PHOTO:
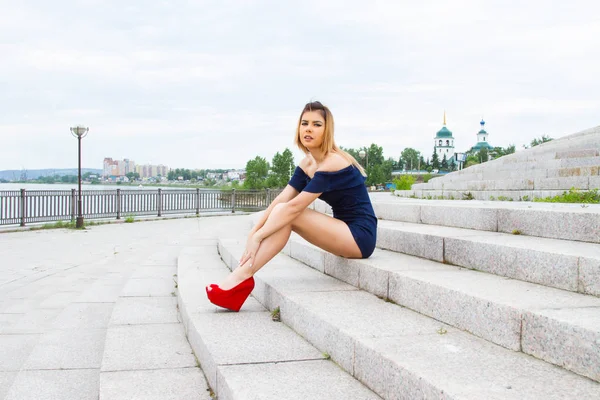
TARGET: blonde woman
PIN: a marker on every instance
(327, 172)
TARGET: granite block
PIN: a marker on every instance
(318, 380)
(160, 384)
(414, 243)
(570, 225)
(395, 212)
(483, 219)
(569, 338)
(589, 275)
(577, 153)
(15, 350)
(499, 255)
(70, 349)
(493, 321)
(344, 269)
(308, 254)
(561, 183)
(149, 287)
(594, 182)
(145, 310)
(80, 384)
(574, 171)
(131, 347)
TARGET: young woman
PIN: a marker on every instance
(327, 172)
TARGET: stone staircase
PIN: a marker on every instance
(451, 305)
(545, 170)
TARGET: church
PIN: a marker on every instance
(444, 142)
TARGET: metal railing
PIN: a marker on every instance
(19, 207)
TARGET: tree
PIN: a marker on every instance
(400, 164)
(435, 161)
(282, 168)
(541, 140)
(483, 155)
(256, 173)
(444, 164)
(410, 158)
(132, 176)
(472, 159)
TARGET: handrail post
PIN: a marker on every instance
(159, 202)
(118, 203)
(197, 201)
(73, 204)
(232, 201)
(23, 207)
(267, 197)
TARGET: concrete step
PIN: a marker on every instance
(532, 184)
(247, 355)
(557, 326)
(562, 264)
(146, 353)
(396, 352)
(574, 222)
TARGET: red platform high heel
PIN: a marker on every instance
(232, 299)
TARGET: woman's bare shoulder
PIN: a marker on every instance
(333, 162)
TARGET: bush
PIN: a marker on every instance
(405, 182)
(427, 177)
(573, 196)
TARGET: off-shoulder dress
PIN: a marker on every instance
(346, 193)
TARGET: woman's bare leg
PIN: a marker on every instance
(269, 248)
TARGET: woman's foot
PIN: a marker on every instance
(238, 275)
(231, 299)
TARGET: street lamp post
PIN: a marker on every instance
(79, 132)
(364, 154)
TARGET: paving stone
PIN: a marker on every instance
(318, 380)
(59, 300)
(6, 381)
(72, 349)
(80, 384)
(158, 384)
(149, 287)
(15, 349)
(142, 347)
(100, 293)
(83, 316)
(35, 321)
(154, 310)
(161, 272)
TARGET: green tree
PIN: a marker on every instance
(132, 176)
(543, 139)
(410, 158)
(257, 171)
(483, 155)
(435, 161)
(282, 168)
(444, 164)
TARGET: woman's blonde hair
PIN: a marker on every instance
(328, 145)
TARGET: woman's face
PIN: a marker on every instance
(312, 128)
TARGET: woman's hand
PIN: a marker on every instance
(252, 246)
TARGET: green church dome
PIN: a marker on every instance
(482, 131)
(481, 145)
(443, 133)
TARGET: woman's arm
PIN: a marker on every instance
(284, 214)
(286, 195)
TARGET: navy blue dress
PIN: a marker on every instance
(345, 192)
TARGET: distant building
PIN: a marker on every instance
(482, 139)
(444, 143)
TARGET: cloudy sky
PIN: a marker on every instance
(212, 84)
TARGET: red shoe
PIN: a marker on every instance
(232, 299)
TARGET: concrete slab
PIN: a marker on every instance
(6, 381)
(136, 311)
(15, 350)
(149, 287)
(160, 272)
(80, 384)
(72, 349)
(158, 384)
(142, 347)
(318, 380)
(100, 292)
(83, 316)
(34, 321)
(589, 276)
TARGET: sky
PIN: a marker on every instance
(213, 84)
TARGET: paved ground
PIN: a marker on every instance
(92, 314)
